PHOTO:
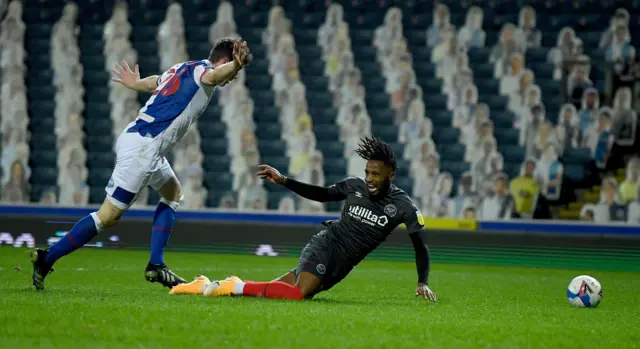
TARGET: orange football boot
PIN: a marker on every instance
(221, 288)
(194, 287)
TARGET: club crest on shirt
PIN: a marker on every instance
(110, 184)
(321, 268)
(390, 210)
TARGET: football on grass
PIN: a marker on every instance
(584, 291)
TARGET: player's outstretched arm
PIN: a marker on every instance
(423, 264)
(224, 73)
(307, 191)
(131, 79)
(415, 227)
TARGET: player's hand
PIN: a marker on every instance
(425, 291)
(240, 54)
(125, 75)
(270, 173)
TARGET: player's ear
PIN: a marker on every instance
(392, 176)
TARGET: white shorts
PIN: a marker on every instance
(139, 163)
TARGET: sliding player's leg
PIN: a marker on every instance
(191, 288)
(288, 278)
(166, 183)
(306, 284)
(196, 286)
(291, 278)
(308, 277)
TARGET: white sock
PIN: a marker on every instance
(96, 221)
(238, 288)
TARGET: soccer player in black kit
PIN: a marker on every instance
(374, 208)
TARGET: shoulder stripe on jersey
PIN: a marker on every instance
(203, 72)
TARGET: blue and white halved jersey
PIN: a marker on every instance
(176, 103)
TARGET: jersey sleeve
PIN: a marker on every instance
(413, 219)
(345, 186)
(198, 73)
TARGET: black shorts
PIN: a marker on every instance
(319, 259)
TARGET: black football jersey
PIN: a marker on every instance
(366, 222)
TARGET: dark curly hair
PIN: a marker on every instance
(376, 149)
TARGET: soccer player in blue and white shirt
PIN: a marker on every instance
(179, 96)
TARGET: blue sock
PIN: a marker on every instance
(162, 225)
(81, 233)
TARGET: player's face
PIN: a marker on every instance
(588, 216)
(378, 176)
(500, 186)
(469, 214)
(16, 172)
(529, 169)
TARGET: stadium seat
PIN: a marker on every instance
(446, 136)
(217, 163)
(327, 132)
(335, 167)
(215, 146)
(577, 156)
(587, 18)
(330, 149)
(101, 160)
(272, 148)
(220, 181)
(45, 176)
(388, 133)
(451, 152)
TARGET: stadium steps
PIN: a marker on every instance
(259, 81)
(445, 136)
(39, 19)
(213, 131)
(590, 196)
(99, 140)
(307, 21)
(376, 100)
(145, 19)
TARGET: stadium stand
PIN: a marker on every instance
(471, 95)
(15, 156)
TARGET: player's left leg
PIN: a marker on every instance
(288, 278)
(310, 279)
(166, 183)
(308, 275)
(196, 286)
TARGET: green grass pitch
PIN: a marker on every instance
(99, 299)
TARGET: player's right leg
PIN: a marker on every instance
(135, 162)
(81, 233)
